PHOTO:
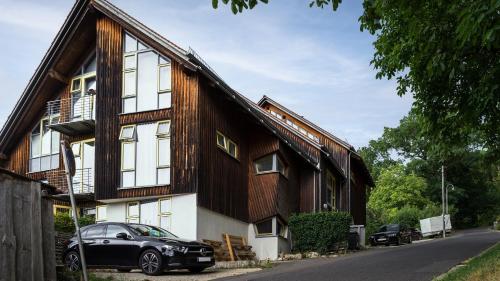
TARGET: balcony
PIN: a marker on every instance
(73, 116)
(83, 181)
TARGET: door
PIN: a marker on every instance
(120, 252)
(92, 240)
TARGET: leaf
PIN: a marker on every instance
(215, 3)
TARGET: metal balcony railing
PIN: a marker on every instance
(83, 181)
(73, 116)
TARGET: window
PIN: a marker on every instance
(44, 147)
(265, 227)
(227, 145)
(330, 189)
(133, 213)
(101, 213)
(84, 80)
(270, 163)
(165, 213)
(146, 78)
(94, 232)
(113, 229)
(280, 228)
(138, 144)
(59, 209)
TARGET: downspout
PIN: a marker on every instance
(349, 182)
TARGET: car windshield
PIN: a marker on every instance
(389, 227)
(150, 231)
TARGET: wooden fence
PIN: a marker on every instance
(26, 230)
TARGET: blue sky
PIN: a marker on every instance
(314, 61)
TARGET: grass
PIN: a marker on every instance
(485, 267)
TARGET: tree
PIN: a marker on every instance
(396, 189)
(445, 53)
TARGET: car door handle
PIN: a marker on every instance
(88, 241)
(106, 241)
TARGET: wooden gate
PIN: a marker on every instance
(26, 230)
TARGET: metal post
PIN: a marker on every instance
(446, 198)
(443, 201)
(73, 207)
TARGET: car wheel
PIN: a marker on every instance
(150, 262)
(72, 261)
(123, 270)
(196, 269)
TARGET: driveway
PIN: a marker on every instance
(419, 261)
(176, 275)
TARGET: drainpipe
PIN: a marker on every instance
(349, 182)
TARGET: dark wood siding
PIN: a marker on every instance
(185, 130)
(108, 106)
(223, 179)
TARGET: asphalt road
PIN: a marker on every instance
(418, 261)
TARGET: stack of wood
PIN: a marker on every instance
(232, 248)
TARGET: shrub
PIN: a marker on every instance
(64, 223)
(319, 232)
(409, 216)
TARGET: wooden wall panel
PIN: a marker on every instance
(223, 184)
(108, 106)
(147, 116)
(288, 201)
(184, 130)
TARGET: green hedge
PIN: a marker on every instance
(318, 232)
(64, 223)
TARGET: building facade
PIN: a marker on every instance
(159, 138)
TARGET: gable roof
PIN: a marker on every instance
(189, 59)
(355, 155)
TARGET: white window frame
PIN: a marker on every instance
(329, 176)
(227, 142)
(159, 137)
(40, 145)
(138, 49)
(134, 217)
(274, 168)
(165, 213)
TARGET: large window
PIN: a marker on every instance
(83, 87)
(146, 78)
(165, 213)
(145, 159)
(270, 227)
(270, 163)
(330, 189)
(227, 145)
(44, 147)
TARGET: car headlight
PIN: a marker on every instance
(170, 249)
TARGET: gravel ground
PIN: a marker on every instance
(177, 275)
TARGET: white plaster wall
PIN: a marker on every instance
(264, 247)
(184, 216)
(212, 225)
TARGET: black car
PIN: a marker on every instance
(126, 246)
(391, 234)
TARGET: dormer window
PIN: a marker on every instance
(226, 144)
(270, 164)
(44, 152)
(146, 77)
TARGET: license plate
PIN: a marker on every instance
(204, 259)
(381, 239)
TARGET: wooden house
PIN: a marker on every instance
(159, 138)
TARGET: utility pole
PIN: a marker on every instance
(443, 200)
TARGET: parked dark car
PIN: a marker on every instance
(391, 234)
(416, 234)
(126, 246)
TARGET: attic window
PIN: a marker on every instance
(146, 76)
(163, 128)
(226, 144)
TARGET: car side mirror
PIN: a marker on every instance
(121, 235)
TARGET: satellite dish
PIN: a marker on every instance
(70, 157)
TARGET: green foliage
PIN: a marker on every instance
(64, 223)
(319, 232)
(445, 53)
(409, 216)
(238, 6)
(396, 189)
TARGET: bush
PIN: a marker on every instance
(319, 232)
(64, 223)
(409, 216)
